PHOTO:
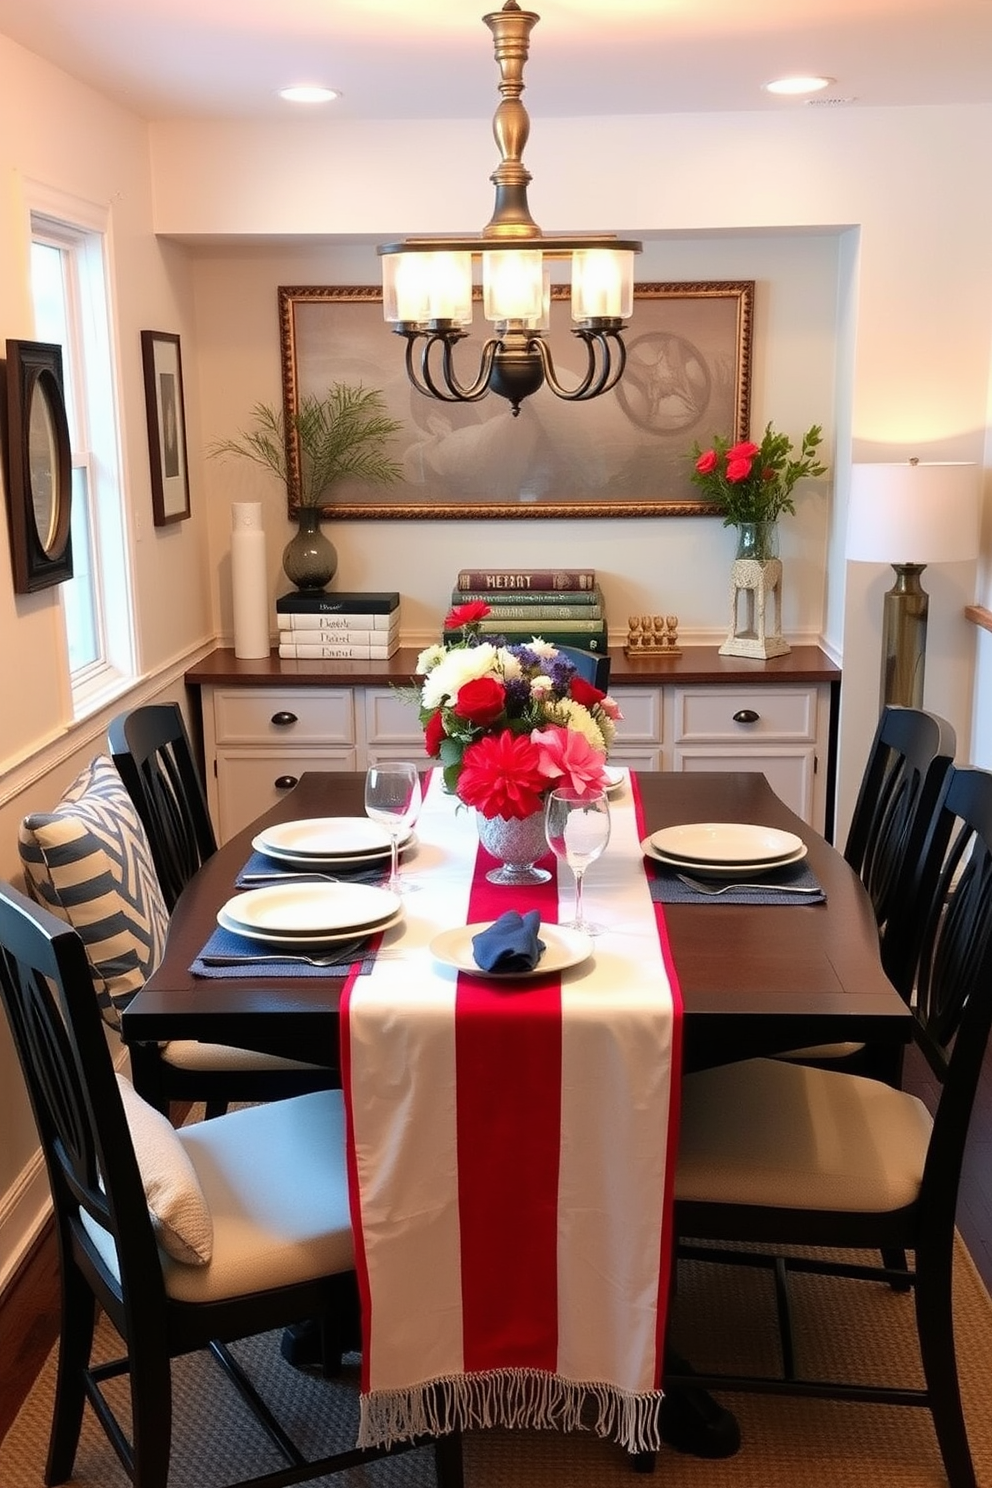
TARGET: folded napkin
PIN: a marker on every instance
(666, 888)
(260, 863)
(510, 945)
(271, 962)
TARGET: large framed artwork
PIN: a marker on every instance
(165, 412)
(624, 454)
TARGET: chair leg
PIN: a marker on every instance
(448, 1461)
(75, 1345)
(151, 1417)
(934, 1321)
(215, 1108)
(895, 1260)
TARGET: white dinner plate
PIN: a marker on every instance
(721, 870)
(307, 942)
(311, 908)
(327, 837)
(562, 948)
(726, 842)
(313, 860)
(614, 779)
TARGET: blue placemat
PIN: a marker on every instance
(281, 872)
(666, 888)
(225, 943)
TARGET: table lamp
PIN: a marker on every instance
(909, 515)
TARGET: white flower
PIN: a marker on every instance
(542, 648)
(509, 664)
(428, 659)
(458, 667)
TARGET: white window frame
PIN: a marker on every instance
(80, 230)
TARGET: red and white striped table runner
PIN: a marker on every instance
(512, 1154)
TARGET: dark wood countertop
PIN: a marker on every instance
(697, 664)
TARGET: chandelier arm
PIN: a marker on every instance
(480, 386)
(602, 372)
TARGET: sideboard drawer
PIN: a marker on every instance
(288, 717)
(250, 781)
(736, 714)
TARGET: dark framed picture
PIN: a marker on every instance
(625, 454)
(38, 466)
(166, 413)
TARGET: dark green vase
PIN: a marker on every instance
(309, 559)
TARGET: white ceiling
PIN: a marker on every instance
(395, 59)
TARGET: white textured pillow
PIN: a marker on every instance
(181, 1219)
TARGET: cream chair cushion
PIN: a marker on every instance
(176, 1202)
(770, 1133)
(274, 1178)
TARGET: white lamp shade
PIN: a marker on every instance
(913, 513)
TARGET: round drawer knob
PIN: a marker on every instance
(746, 715)
(285, 782)
(283, 720)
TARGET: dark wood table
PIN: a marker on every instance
(754, 980)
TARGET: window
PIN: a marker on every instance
(71, 307)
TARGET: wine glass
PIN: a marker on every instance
(577, 828)
(393, 799)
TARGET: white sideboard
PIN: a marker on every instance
(266, 722)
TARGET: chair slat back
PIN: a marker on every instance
(592, 666)
(151, 749)
(909, 759)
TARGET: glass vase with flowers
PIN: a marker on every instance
(751, 484)
(509, 724)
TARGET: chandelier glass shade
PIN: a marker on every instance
(428, 284)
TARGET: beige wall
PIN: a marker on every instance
(872, 254)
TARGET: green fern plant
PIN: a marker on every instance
(345, 433)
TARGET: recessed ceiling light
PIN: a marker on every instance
(796, 85)
(308, 93)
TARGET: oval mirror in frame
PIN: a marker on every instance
(39, 466)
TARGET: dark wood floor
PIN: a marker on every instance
(29, 1308)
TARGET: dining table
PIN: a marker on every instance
(512, 1140)
(754, 980)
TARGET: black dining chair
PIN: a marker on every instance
(907, 764)
(776, 1154)
(591, 666)
(186, 1239)
(151, 748)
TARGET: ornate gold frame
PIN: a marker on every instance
(605, 458)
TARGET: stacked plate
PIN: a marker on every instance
(328, 842)
(724, 849)
(310, 914)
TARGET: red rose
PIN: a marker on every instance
(433, 734)
(581, 691)
(481, 701)
(706, 462)
(466, 614)
(743, 451)
(738, 470)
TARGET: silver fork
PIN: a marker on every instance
(340, 958)
(710, 888)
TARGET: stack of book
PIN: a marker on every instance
(564, 605)
(339, 625)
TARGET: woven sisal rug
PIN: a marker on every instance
(720, 1320)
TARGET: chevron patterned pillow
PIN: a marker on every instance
(89, 862)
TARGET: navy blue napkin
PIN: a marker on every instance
(510, 945)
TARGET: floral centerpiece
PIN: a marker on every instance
(509, 723)
(753, 483)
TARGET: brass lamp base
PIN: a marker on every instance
(904, 638)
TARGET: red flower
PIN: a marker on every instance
(581, 691)
(706, 462)
(480, 701)
(739, 469)
(466, 614)
(433, 734)
(501, 775)
(743, 451)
